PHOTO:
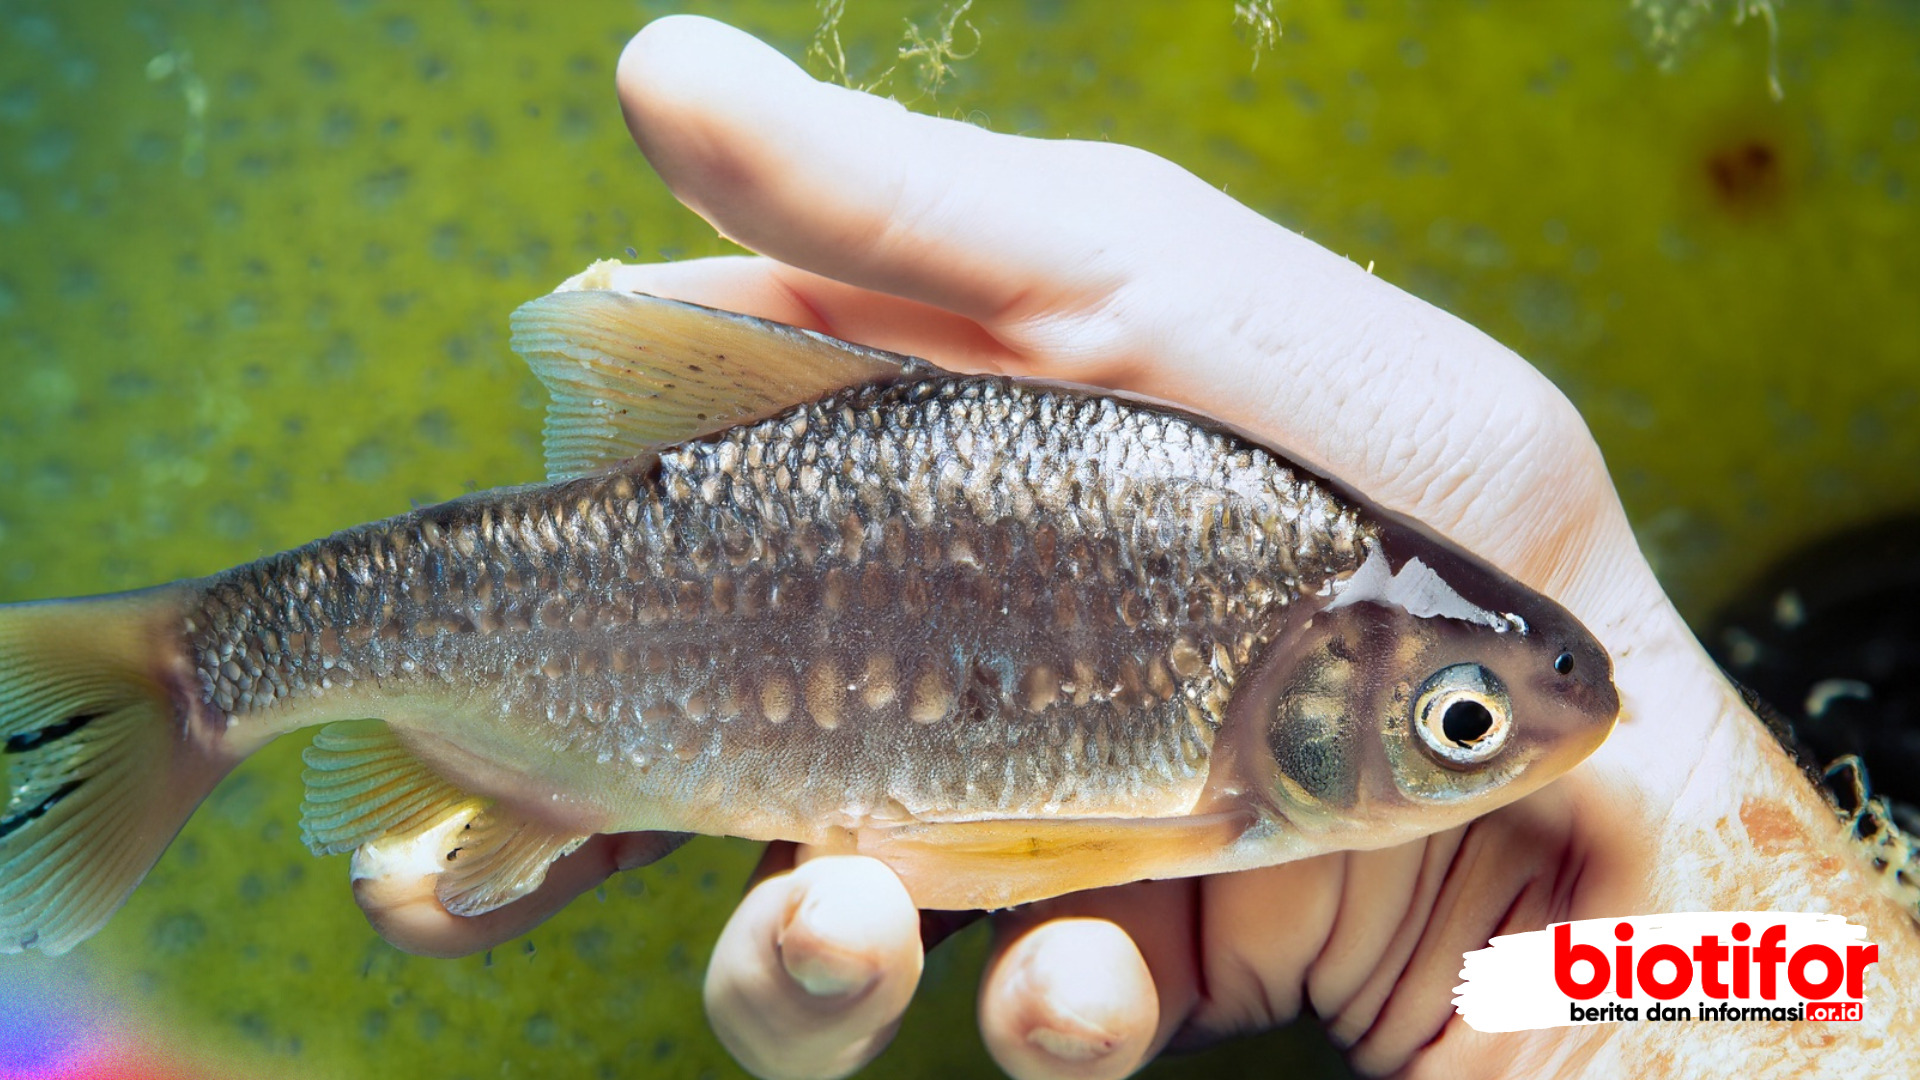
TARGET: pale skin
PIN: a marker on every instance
(1100, 264)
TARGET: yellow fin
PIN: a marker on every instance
(362, 785)
(995, 864)
(498, 858)
(631, 373)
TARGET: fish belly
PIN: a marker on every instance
(933, 606)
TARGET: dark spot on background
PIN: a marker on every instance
(177, 932)
(1747, 175)
(540, 1029)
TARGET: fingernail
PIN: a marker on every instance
(823, 974)
(1082, 995)
(1071, 1038)
(810, 953)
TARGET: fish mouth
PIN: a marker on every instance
(1590, 731)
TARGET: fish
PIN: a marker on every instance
(1013, 638)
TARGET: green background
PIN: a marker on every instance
(256, 260)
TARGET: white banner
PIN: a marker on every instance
(1731, 966)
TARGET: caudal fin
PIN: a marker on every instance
(98, 771)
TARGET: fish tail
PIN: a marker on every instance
(99, 765)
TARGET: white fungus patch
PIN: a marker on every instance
(1417, 589)
(423, 854)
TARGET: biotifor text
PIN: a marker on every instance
(1689, 966)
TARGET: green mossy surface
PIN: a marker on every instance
(258, 291)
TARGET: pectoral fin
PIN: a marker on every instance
(364, 787)
(631, 373)
(996, 864)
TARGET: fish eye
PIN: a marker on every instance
(1463, 715)
(1563, 663)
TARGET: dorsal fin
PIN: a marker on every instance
(631, 373)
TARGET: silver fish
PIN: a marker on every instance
(1014, 639)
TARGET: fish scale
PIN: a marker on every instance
(713, 615)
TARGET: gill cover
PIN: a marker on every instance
(1429, 689)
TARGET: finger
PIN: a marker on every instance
(395, 889)
(718, 137)
(782, 856)
(1070, 998)
(935, 926)
(813, 970)
(1256, 977)
(1384, 897)
(778, 857)
(855, 188)
(1106, 265)
(1512, 870)
(1091, 985)
(773, 290)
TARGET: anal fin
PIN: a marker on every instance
(366, 790)
(496, 859)
(965, 865)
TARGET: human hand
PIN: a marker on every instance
(1100, 264)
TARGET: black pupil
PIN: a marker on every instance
(1563, 663)
(1465, 722)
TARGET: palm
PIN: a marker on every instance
(1103, 265)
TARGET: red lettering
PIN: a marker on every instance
(1709, 952)
(1566, 954)
(1858, 957)
(1682, 971)
(1797, 971)
(1767, 958)
(1703, 966)
(1623, 961)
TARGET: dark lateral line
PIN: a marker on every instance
(34, 740)
(21, 819)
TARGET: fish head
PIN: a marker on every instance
(1426, 690)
